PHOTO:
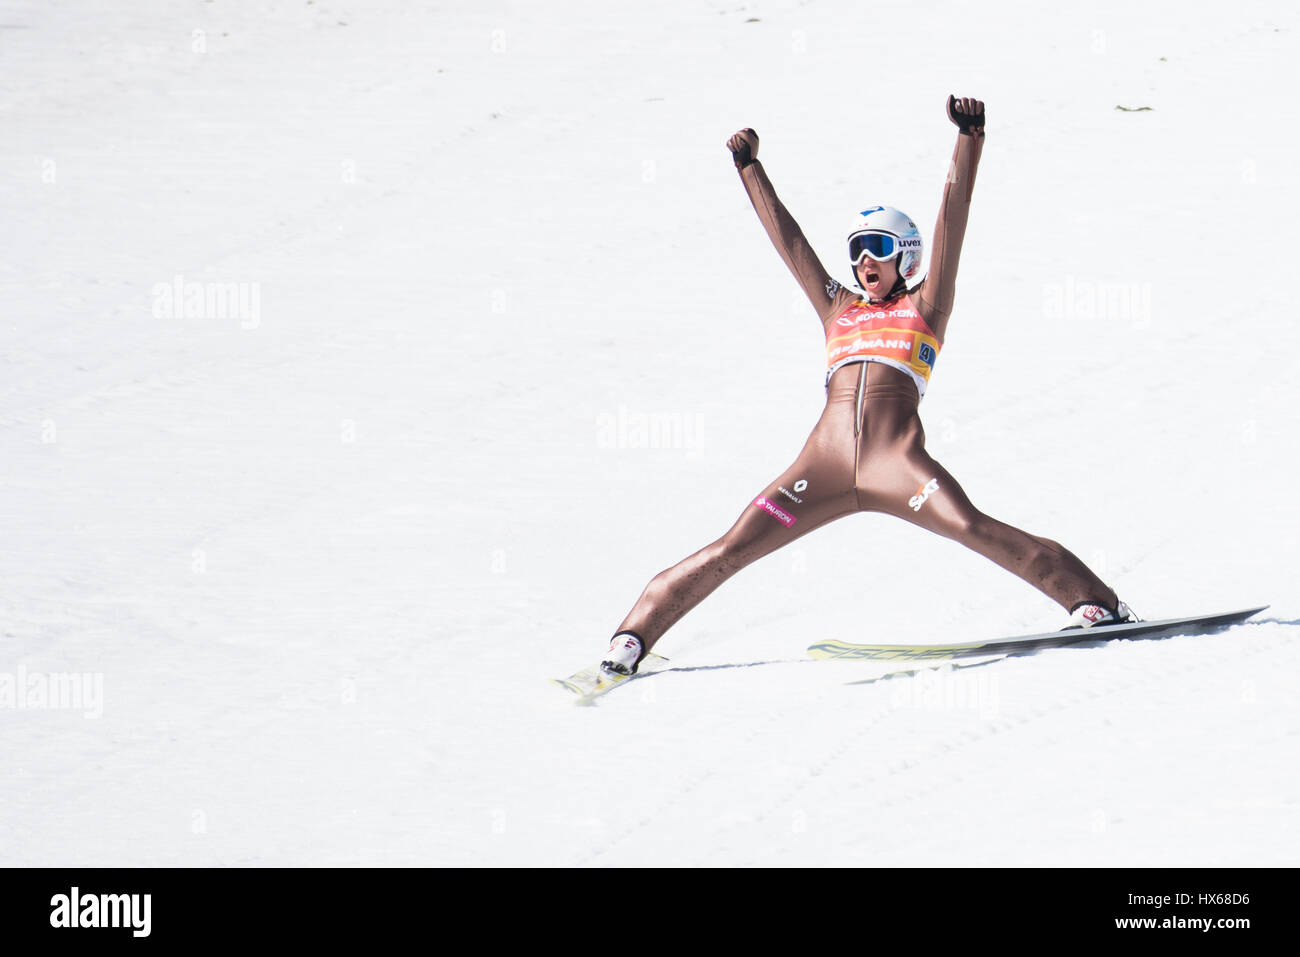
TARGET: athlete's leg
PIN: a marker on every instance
(910, 484)
(816, 489)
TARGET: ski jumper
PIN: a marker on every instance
(867, 452)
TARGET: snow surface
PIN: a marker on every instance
(321, 555)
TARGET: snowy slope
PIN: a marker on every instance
(313, 556)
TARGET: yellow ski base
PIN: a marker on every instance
(592, 682)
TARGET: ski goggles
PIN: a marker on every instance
(881, 247)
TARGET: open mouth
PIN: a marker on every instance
(872, 278)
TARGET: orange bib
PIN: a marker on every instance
(891, 332)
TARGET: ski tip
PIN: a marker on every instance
(1237, 617)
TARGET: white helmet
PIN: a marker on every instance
(882, 232)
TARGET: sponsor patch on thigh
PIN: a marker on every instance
(776, 511)
(923, 493)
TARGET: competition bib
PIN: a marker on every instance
(891, 332)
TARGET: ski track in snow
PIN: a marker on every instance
(323, 564)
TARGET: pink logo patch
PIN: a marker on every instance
(778, 513)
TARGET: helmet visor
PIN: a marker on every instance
(881, 247)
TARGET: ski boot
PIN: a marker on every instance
(625, 653)
(1087, 614)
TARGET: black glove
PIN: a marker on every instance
(968, 114)
(744, 147)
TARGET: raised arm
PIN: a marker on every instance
(781, 228)
(939, 288)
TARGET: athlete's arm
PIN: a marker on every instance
(781, 228)
(938, 290)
